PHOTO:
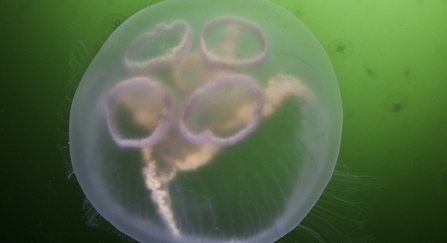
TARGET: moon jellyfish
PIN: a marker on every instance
(206, 121)
(340, 48)
(396, 102)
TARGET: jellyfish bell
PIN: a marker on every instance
(216, 124)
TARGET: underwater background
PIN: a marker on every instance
(390, 58)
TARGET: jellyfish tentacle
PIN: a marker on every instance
(159, 186)
(159, 123)
(282, 86)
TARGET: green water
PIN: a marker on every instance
(390, 58)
